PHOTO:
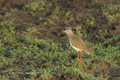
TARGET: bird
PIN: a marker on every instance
(77, 43)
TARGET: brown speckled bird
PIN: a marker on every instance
(77, 43)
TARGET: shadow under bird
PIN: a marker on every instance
(77, 43)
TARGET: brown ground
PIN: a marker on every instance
(81, 11)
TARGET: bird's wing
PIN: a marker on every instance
(78, 42)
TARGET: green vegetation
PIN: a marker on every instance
(95, 1)
(91, 21)
(54, 18)
(24, 56)
(37, 5)
(79, 33)
(111, 11)
(44, 59)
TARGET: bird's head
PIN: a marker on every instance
(67, 30)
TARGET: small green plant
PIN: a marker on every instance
(106, 9)
(7, 31)
(91, 21)
(37, 5)
(49, 22)
(6, 23)
(68, 13)
(110, 40)
(100, 35)
(94, 1)
(54, 17)
(79, 31)
(31, 30)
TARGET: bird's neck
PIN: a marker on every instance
(70, 35)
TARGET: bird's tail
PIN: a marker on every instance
(89, 51)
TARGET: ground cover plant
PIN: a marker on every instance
(32, 46)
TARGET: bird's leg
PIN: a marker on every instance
(77, 57)
(80, 57)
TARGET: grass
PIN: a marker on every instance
(79, 31)
(91, 21)
(111, 11)
(24, 56)
(35, 5)
(33, 58)
(94, 1)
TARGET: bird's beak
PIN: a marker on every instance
(63, 31)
